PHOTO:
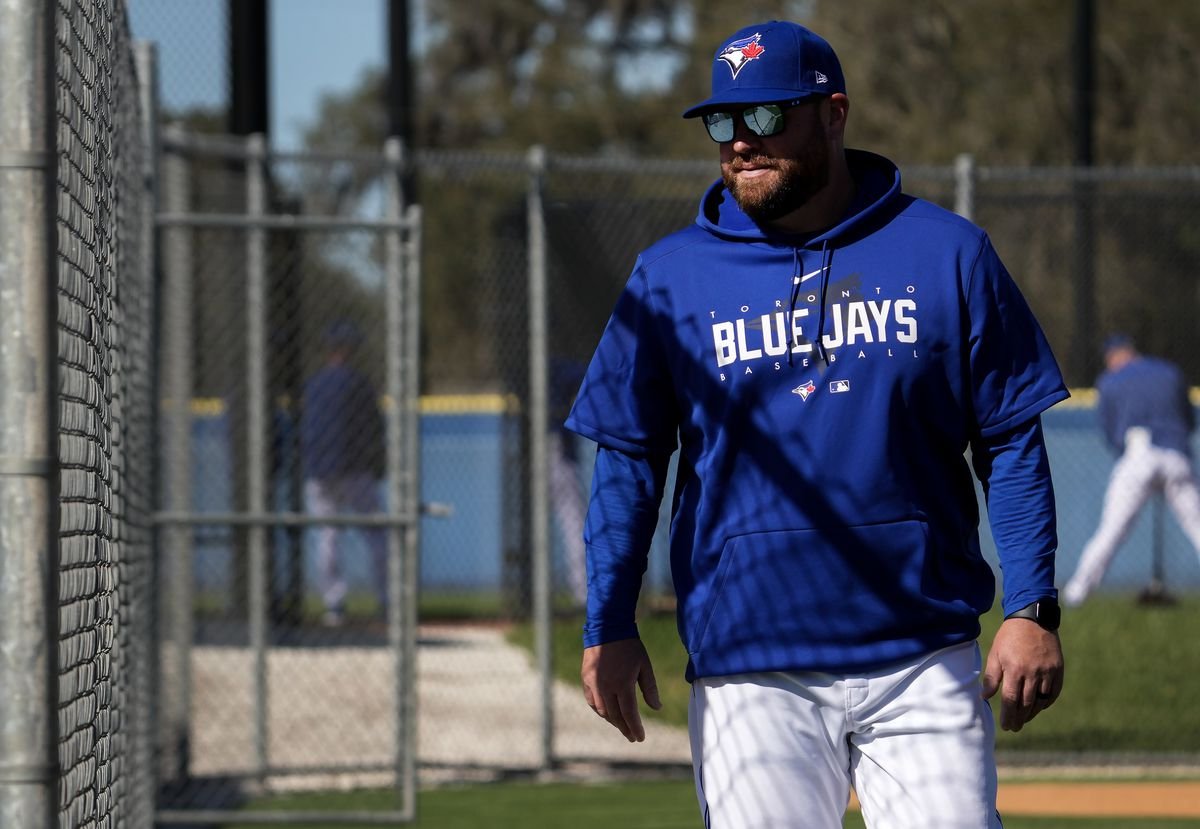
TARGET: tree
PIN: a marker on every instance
(928, 80)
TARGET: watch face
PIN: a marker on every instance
(1049, 615)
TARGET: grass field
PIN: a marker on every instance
(1131, 682)
(655, 805)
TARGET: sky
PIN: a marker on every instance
(316, 47)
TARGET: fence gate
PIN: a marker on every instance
(287, 532)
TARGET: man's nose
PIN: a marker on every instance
(743, 137)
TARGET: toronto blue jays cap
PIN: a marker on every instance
(1116, 340)
(771, 62)
(341, 333)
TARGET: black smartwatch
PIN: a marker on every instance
(1045, 612)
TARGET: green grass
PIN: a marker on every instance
(1131, 679)
(1130, 687)
(648, 805)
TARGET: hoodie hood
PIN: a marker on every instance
(877, 193)
(877, 183)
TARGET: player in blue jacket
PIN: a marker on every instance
(822, 350)
(1147, 421)
(342, 451)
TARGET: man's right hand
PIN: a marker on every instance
(610, 673)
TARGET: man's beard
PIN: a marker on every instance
(794, 182)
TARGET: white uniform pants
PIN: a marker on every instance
(781, 750)
(570, 507)
(348, 494)
(1142, 470)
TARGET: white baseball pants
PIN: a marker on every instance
(570, 509)
(1140, 471)
(781, 750)
(349, 494)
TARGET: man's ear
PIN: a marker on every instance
(837, 112)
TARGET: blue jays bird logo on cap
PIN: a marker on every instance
(740, 52)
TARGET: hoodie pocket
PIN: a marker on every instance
(822, 589)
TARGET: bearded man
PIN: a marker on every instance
(822, 349)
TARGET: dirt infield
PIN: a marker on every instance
(1101, 799)
(1098, 799)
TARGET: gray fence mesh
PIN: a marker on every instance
(288, 518)
(104, 351)
(1072, 239)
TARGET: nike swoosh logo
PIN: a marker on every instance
(807, 276)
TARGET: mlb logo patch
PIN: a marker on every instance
(804, 389)
(839, 386)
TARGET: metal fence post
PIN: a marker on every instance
(28, 418)
(401, 482)
(412, 503)
(539, 492)
(964, 186)
(146, 57)
(176, 384)
(256, 431)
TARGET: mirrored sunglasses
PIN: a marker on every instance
(761, 119)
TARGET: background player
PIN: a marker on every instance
(1147, 421)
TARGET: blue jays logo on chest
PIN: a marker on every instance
(861, 320)
(740, 52)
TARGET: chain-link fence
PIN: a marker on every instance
(76, 419)
(105, 324)
(1083, 244)
(523, 259)
(295, 453)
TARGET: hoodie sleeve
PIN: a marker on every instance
(621, 518)
(1014, 470)
(1013, 374)
(626, 400)
(625, 405)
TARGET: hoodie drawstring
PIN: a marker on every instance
(798, 267)
(826, 264)
(797, 271)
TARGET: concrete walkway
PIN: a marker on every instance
(333, 707)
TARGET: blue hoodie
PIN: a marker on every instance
(822, 393)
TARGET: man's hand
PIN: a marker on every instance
(1026, 665)
(610, 673)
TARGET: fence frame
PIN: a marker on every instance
(401, 229)
(29, 468)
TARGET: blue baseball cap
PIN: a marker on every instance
(769, 63)
(1116, 340)
(343, 333)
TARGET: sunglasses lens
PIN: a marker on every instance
(719, 126)
(765, 119)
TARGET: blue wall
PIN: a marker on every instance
(465, 458)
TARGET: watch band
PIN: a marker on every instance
(1045, 612)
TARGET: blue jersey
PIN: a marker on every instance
(341, 426)
(822, 393)
(1150, 393)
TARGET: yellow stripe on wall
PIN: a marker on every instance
(1087, 398)
(429, 404)
(1083, 398)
